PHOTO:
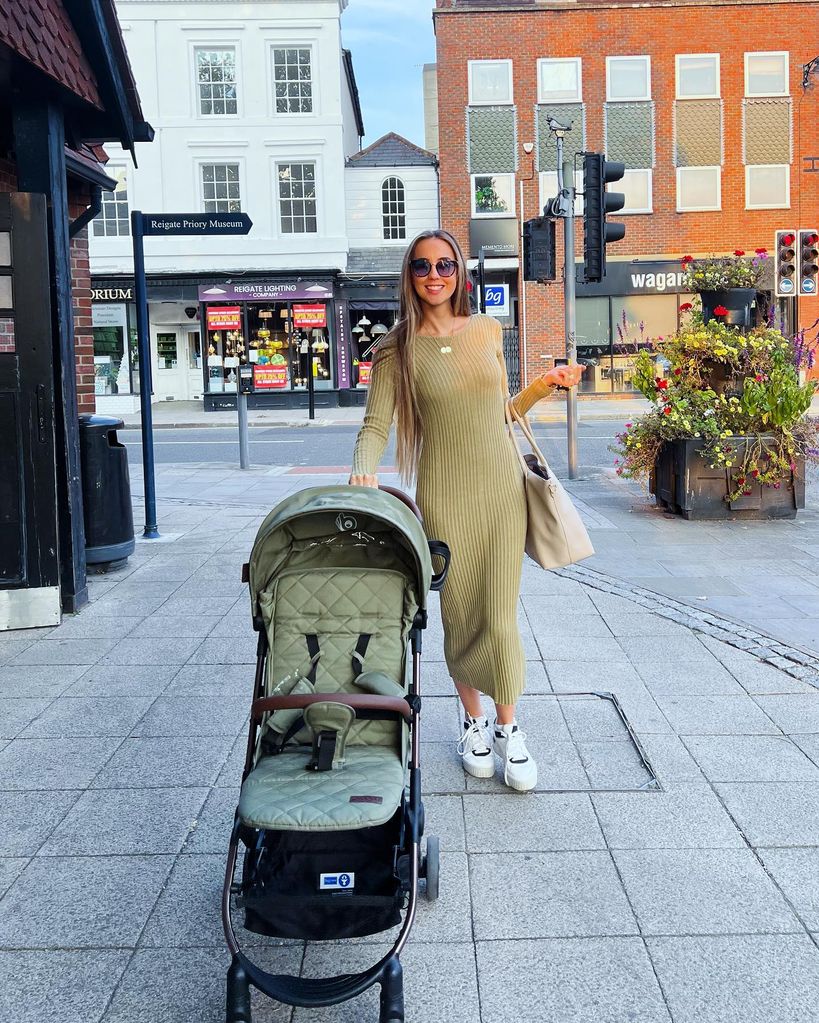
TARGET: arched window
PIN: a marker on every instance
(393, 209)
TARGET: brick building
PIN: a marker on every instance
(703, 102)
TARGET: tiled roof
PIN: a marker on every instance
(41, 32)
(393, 150)
(385, 260)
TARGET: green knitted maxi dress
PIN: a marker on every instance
(470, 491)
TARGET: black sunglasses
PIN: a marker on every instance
(422, 267)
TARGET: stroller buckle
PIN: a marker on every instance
(324, 751)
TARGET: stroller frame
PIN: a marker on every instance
(387, 972)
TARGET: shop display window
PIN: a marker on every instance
(109, 326)
(369, 328)
(284, 342)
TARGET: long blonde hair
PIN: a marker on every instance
(402, 337)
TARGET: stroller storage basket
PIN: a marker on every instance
(324, 885)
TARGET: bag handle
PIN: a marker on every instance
(513, 416)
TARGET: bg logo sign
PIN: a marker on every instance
(336, 882)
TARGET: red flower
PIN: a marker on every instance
(677, 371)
(720, 310)
(741, 481)
(738, 252)
(759, 378)
(629, 426)
(685, 307)
(777, 486)
(754, 473)
(687, 259)
(747, 493)
(469, 285)
(667, 410)
(761, 252)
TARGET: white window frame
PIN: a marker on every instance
(617, 187)
(699, 95)
(681, 173)
(401, 239)
(219, 160)
(511, 212)
(749, 168)
(542, 97)
(112, 169)
(491, 102)
(628, 99)
(547, 186)
(293, 44)
(277, 163)
(767, 53)
(196, 48)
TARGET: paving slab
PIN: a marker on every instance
(590, 980)
(10, 868)
(37, 681)
(703, 891)
(793, 713)
(16, 714)
(210, 831)
(751, 758)
(558, 894)
(79, 901)
(90, 717)
(539, 823)
(752, 978)
(59, 651)
(133, 680)
(54, 763)
(774, 813)
(124, 821)
(167, 762)
(716, 715)
(796, 872)
(57, 986)
(28, 818)
(200, 716)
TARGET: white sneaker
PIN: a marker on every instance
(475, 748)
(519, 767)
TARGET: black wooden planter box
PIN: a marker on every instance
(684, 483)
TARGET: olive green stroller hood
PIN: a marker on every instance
(327, 527)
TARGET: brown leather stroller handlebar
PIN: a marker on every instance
(362, 701)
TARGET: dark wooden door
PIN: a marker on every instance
(29, 559)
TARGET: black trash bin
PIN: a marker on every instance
(106, 491)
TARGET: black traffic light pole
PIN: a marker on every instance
(565, 188)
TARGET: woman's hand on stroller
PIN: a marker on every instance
(363, 481)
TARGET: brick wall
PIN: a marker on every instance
(592, 33)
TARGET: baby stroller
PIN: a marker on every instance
(330, 815)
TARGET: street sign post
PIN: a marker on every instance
(163, 224)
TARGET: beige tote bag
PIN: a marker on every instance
(555, 534)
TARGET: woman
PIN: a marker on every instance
(443, 371)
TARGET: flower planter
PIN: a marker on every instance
(685, 484)
(738, 301)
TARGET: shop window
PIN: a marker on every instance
(393, 209)
(293, 80)
(594, 344)
(698, 76)
(490, 82)
(369, 329)
(767, 187)
(559, 80)
(766, 74)
(216, 82)
(493, 195)
(221, 190)
(297, 198)
(636, 186)
(109, 329)
(113, 219)
(628, 78)
(699, 188)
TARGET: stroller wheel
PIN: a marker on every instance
(238, 995)
(432, 867)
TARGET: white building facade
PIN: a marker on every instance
(256, 110)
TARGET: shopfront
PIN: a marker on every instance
(367, 312)
(113, 325)
(285, 330)
(636, 303)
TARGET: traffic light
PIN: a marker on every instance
(808, 253)
(598, 232)
(785, 264)
(539, 249)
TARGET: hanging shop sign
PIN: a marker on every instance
(364, 369)
(265, 291)
(268, 377)
(227, 317)
(496, 237)
(306, 316)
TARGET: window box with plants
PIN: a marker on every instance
(728, 434)
(727, 282)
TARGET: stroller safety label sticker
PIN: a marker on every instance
(338, 882)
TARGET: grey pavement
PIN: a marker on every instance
(595, 899)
